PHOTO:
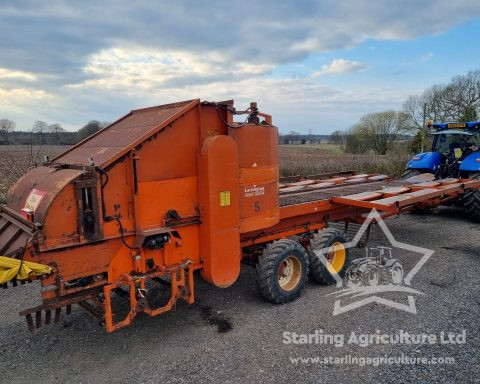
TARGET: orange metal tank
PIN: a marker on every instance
(258, 158)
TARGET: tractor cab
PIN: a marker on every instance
(455, 143)
(455, 151)
(380, 254)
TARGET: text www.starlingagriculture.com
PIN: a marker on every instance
(371, 360)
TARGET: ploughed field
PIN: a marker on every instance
(306, 160)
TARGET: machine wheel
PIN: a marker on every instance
(371, 278)
(337, 255)
(471, 199)
(354, 282)
(396, 273)
(282, 271)
(410, 173)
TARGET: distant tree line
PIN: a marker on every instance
(294, 137)
(46, 134)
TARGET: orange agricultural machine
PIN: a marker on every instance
(168, 190)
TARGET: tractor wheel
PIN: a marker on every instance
(371, 278)
(333, 241)
(471, 199)
(354, 282)
(396, 273)
(408, 173)
(282, 271)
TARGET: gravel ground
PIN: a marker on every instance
(232, 335)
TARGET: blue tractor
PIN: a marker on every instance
(455, 153)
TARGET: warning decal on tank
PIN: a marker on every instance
(254, 191)
(34, 199)
(225, 198)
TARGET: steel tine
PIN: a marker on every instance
(58, 312)
(38, 319)
(48, 316)
(30, 324)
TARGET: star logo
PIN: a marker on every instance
(361, 280)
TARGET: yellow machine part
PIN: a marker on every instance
(11, 269)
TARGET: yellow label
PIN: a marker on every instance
(456, 125)
(225, 198)
(458, 152)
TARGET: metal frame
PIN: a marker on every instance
(423, 194)
(181, 286)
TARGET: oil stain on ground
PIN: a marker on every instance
(222, 323)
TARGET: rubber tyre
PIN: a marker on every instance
(267, 270)
(396, 274)
(372, 278)
(410, 173)
(471, 199)
(324, 239)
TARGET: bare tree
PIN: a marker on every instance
(336, 137)
(446, 102)
(6, 126)
(469, 114)
(459, 100)
(39, 127)
(464, 94)
(357, 140)
(38, 131)
(292, 137)
(56, 131)
(414, 107)
(382, 128)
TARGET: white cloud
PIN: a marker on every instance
(144, 69)
(340, 67)
(12, 74)
(169, 76)
(19, 96)
(426, 57)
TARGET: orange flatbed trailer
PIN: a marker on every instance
(168, 190)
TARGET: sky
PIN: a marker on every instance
(314, 65)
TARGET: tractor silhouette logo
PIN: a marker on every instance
(378, 268)
(378, 276)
